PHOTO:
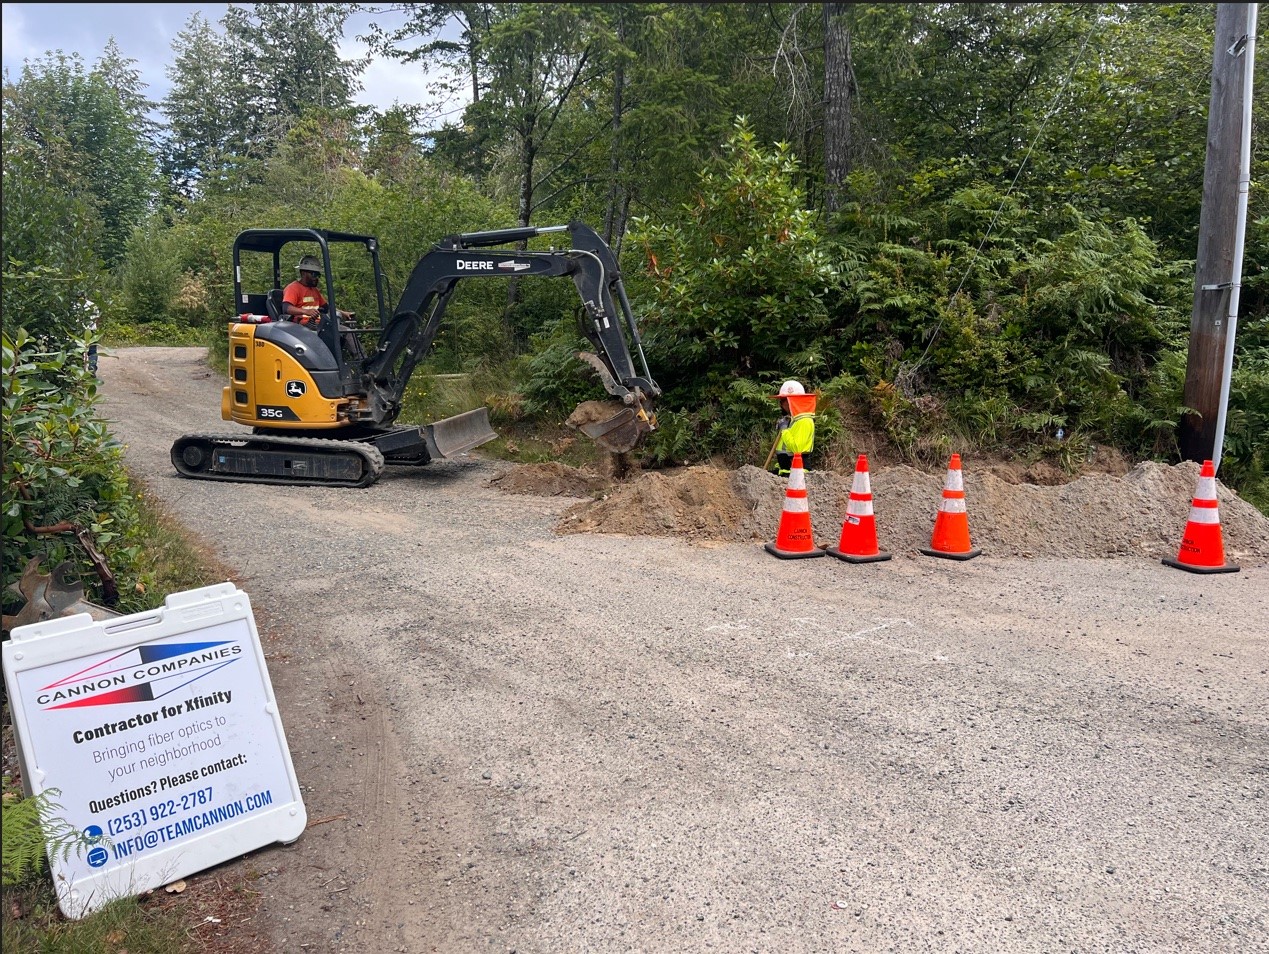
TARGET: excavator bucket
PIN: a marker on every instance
(613, 427)
(618, 434)
(460, 433)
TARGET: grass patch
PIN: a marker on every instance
(171, 559)
(32, 922)
(431, 397)
(532, 443)
(163, 334)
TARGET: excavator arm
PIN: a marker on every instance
(606, 321)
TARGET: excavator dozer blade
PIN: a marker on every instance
(460, 433)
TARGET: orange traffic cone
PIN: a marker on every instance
(1202, 550)
(951, 526)
(858, 542)
(793, 537)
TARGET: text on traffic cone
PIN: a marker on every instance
(793, 535)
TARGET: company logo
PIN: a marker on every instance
(295, 389)
(473, 265)
(141, 674)
(514, 266)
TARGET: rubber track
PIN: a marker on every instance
(241, 443)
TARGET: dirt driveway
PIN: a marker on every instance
(513, 739)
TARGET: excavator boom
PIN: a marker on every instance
(606, 321)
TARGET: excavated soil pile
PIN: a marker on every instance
(550, 480)
(1143, 512)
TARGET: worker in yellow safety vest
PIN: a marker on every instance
(796, 426)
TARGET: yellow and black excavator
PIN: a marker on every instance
(322, 406)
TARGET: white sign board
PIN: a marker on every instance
(161, 736)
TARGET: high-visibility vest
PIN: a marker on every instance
(799, 436)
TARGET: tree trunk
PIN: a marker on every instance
(614, 157)
(839, 94)
(619, 227)
(528, 155)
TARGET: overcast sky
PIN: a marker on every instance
(144, 33)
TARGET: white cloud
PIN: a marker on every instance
(14, 38)
(388, 82)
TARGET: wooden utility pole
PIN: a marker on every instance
(1218, 271)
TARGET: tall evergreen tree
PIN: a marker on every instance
(288, 55)
(236, 94)
(421, 39)
(91, 136)
(205, 123)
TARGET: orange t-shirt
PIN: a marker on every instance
(301, 296)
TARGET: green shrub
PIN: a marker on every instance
(1245, 454)
(149, 276)
(62, 468)
(742, 283)
(554, 380)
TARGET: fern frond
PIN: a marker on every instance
(31, 831)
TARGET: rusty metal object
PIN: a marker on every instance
(50, 596)
(108, 586)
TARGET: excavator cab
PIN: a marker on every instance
(330, 353)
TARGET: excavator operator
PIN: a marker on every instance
(302, 301)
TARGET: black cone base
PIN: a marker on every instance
(791, 554)
(1227, 568)
(967, 555)
(854, 558)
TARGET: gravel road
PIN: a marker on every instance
(509, 739)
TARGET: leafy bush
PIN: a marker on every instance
(62, 469)
(48, 248)
(742, 289)
(149, 275)
(1245, 454)
(554, 380)
(1052, 321)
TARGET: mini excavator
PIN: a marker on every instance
(322, 406)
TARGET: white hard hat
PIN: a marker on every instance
(791, 387)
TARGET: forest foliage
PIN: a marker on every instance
(965, 225)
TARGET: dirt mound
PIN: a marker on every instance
(1142, 513)
(550, 480)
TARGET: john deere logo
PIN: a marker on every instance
(295, 389)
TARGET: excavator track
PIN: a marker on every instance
(272, 459)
